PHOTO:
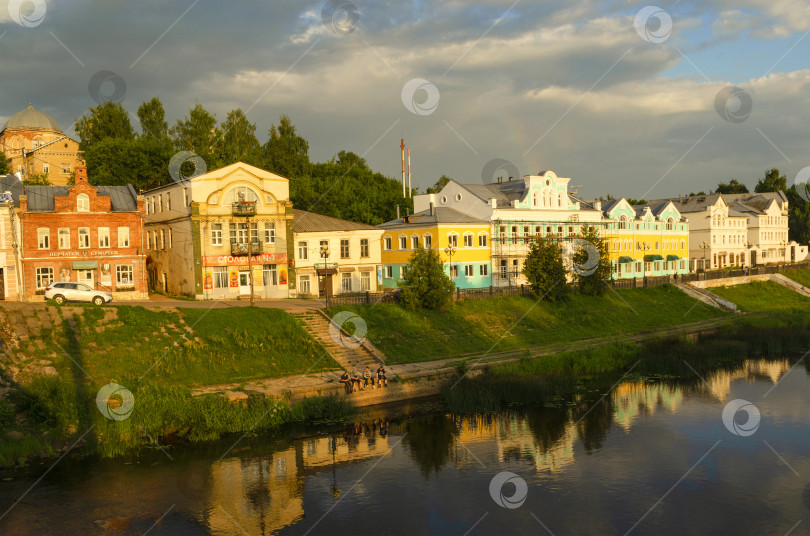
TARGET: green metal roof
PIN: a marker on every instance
(673, 258)
(653, 258)
(625, 259)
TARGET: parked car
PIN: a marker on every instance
(68, 291)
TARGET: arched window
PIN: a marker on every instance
(622, 222)
(670, 224)
(83, 203)
(536, 199)
(559, 200)
(244, 194)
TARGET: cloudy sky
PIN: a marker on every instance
(623, 97)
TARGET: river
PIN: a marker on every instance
(642, 457)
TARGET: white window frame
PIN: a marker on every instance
(220, 277)
(483, 270)
(269, 233)
(216, 234)
(364, 248)
(365, 281)
(468, 240)
(82, 203)
(63, 237)
(44, 277)
(303, 252)
(84, 232)
(483, 240)
(123, 237)
(104, 237)
(43, 238)
(346, 282)
(124, 275)
(304, 286)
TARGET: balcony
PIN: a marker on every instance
(244, 209)
(241, 248)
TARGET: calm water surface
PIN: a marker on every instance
(649, 458)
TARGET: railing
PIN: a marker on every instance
(243, 248)
(244, 209)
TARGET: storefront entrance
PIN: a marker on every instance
(86, 277)
(244, 282)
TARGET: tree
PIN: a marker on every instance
(771, 182)
(4, 170)
(142, 162)
(107, 120)
(425, 285)
(286, 153)
(152, 117)
(590, 264)
(441, 183)
(37, 179)
(798, 215)
(636, 201)
(545, 271)
(239, 141)
(692, 194)
(733, 187)
(198, 133)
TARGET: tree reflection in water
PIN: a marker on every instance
(430, 442)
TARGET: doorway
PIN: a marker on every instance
(325, 285)
(86, 277)
(244, 282)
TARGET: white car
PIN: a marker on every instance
(69, 291)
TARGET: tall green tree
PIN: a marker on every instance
(732, 187)
(441, 183)
(142, 162)
(152, 117)
(425, 285)
(238, 142)
(107, 120)
(4, 169)
(198, 133)
(798, 215)
(545, 270)
(590, 263)
(286, 153)
(771, 182)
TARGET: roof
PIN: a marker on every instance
(440, 215)
(656, 206)
(740, 205)
(32, 118)
(309, 222)
(41, 198)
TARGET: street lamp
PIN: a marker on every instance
(450, 250)
(324, 256)
(704, 246)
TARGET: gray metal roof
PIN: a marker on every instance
(10, 183)
(41, 198)
(440, 215)
(309, 222)
(739, 204)
(32, 118)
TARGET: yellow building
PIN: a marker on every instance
(34, 144)
(462, 241)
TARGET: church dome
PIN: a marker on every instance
(32, 118)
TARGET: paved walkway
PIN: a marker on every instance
(290, 305)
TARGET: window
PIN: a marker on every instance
(402, 271)
(303, 284)
(160, 203)
(389, 272)
(515, 271)
(245, 194)
(504, 269)
(220, 276)
(414, 242)
(123, 275)
(168, 201)
(365, 281)
(454, 271)
(148, 239)
(670, 224)
(302, 254)
(346, 282)
(452, 240)
(387, 243)
(83, 203)
(123, 237)
(171, 243)
(468, 240)
(43, 238)
(64, 238)
(44, 277)
(622, 222)
(216, 234)
(269, 233)
(65, 169)
(162, 239)
(344, 249)
(269, 274)
(483, 270)
(482, 240)
(468, 270)
(103, 237)
(84, 237)
(364, 247)
(185, 197)
(428, 241)
(403, 242)
(46, 168)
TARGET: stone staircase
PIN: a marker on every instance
(359, 358)
(709, 298)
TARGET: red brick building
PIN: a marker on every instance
(85, 233)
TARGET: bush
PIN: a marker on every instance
(425, 285)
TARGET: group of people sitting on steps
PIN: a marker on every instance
(351, 380)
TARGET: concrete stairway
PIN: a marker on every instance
(318, 326)
(709, 298)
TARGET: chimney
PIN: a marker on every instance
(23, 203)
(81, 174)
(397, 211)
(431, 208)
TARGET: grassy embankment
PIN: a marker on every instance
(800, 276)
(513, 323)
(765, 296)
(145, 351)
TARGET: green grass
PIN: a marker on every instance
(502, 324)
(800, 276)
(763, 296)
